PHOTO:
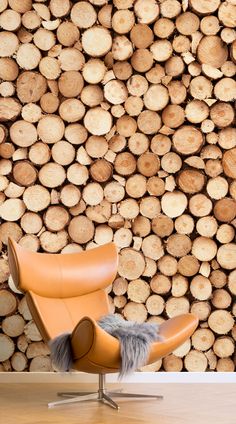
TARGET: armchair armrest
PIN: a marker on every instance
(89, 339)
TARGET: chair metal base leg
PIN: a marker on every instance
(134, 395)
(102, 395)
(91, 396)
(110, 401)
(73, 394)
(116, 391)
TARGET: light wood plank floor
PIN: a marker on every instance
(182, 404)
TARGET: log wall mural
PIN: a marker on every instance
(117, 122)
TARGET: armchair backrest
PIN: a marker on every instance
(59, 275)
(62, 288)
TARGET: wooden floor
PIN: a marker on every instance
(182, 404)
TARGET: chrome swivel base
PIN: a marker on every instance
(101, 396)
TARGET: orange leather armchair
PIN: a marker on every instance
(66, 293)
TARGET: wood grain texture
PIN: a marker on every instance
(179, 406)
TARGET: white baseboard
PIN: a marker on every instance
(137, 377)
